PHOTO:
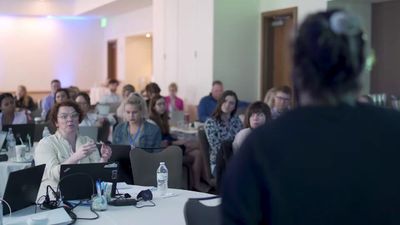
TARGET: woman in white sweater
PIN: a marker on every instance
(66, 146)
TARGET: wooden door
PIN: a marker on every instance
(277, 31)
(112, 60)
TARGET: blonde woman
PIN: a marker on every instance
(136, 130)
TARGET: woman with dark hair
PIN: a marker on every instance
(152, 89)
(8, 114)
(223, 125)
(192, 153)
(66, 146)
(91, 118)
(256, 115)
(61, 95)
(329, 161)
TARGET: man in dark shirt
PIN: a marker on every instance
(329, 162)
(208, 103)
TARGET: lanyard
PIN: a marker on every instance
(133, 140)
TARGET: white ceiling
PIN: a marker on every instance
(70, 7)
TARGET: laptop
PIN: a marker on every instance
(3, 136)
(78, 181)
(103, 109)
(91, 132)
(21, 131)
(22, 188)
(120, 154)
(177, 117)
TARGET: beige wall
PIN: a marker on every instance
(138, 61)
(33, 51)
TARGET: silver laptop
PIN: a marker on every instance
(177, 117)
(3, 135)
(103, 109)
(91, 132)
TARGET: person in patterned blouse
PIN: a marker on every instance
(223, 125)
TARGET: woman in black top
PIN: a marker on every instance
(330, 161)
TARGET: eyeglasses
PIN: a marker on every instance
(282, 98)
(65, 116)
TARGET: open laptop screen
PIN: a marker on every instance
(22, 188)
(78, 181)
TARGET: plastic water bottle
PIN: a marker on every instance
(11, 142)
(162, 179)
(46, 132)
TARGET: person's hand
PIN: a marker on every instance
(105, 152)
(85, 150)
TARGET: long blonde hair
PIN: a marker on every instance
(269, 97)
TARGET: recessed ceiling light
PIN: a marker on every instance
(148, 35)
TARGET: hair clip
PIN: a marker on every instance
(343, 23)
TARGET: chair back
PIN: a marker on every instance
(223, 157)
(196, 213)
(145, 164)
(204, 146)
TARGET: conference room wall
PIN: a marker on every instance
(33, 51)
(119, 28)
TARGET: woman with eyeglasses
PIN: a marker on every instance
(66, 146)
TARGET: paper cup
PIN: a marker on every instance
(20, 152)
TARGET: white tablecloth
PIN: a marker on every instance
(6, 168)
(168, 211)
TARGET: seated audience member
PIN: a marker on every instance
(91, 118)
(269, 97)
(173, 102)
(73, 92)
(66, 146)
(8, 114)
(126, 91)
(48, 101)
(208, 103)
(152, 89)
(321, 163)
(282, 101)
(159, 115)
(112, 96)
(223, 125)
(137, 131)
(61, 95)
(256, 115)
(365, 99)
(23, 101)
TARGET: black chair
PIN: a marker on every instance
(196, 213)
(223, 157)
(205, 147)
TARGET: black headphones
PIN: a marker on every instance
(145, 195)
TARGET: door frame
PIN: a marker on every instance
(112, 59)
(266, 46)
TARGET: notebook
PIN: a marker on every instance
(22, 188)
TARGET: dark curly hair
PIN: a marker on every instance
(329, 54)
